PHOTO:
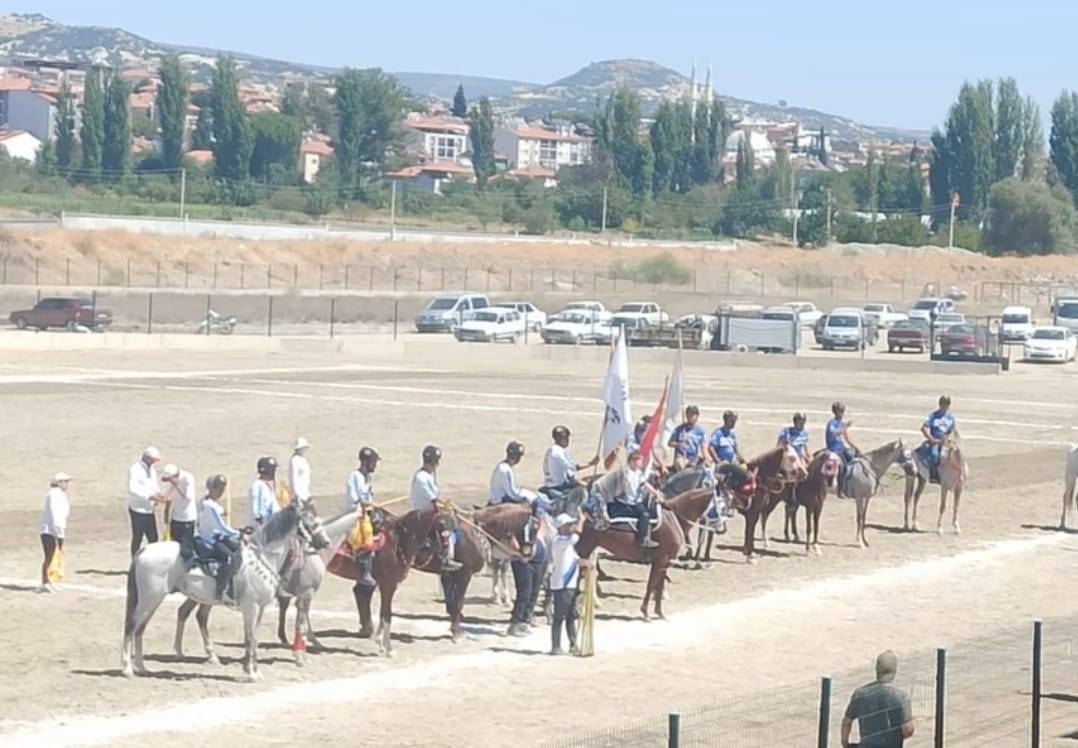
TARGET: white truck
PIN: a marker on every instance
(639, 314)
(1065, 313)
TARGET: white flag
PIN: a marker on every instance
(618, 421)
(672, 415)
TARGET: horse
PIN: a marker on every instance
(158, 569)
(953, 474)
(809, 493)
(1070, 479)
(689, 479)
(513, 525)
(472, 551)
(302, 577)
(774, 470)
(865, 473)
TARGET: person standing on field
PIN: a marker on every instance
(299, 471)
(882, 712)
(143, 493)
(182, 503)
(564, 575)
(54, 525)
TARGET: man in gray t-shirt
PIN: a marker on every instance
(882, 711)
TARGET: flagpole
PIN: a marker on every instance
(606, 414)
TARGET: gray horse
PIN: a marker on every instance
(158, 569)
(953, 474)
(863, 480)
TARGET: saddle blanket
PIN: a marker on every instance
(627, 521)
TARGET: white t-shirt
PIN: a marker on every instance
(57, 509)
(142, 486)
(184, 506)
(564, 562)
(631, 481)
(424, 489)
(357, 490)
(558, 466)
(503, 484)
(299, 477)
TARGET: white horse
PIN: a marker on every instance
(301, 580)
(158, 570)
(1071, 478)
(953, 474)
(863, 480)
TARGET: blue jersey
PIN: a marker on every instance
(688, 441)
(835, 435)
(940, 423)
(724, 442)
(796, 438)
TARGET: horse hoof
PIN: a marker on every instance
(750, 560)
(939, 529)
(212, 660)
(957, 529)
(284, 640)
(179, 652)
(255, 677)
(365, 633)
(128, 672)
(299, 659)
(818, 551)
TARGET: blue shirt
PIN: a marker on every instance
(939, 423)
(835, 435)
(724, 442)
(796, 438)
(688, 440)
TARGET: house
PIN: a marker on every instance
(200, 157)
(762, 150)
(546, 177)
(20, 144)
(313, 155)
(143, 103)
(432, 176)
(532, 145)
(32, 111)
(435, 137)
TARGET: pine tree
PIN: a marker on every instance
(233, 142)
(116, 147)
(202, 138)
(460, 103)
(65, 130)
(92, 134)
(172, 110)
(481, 135)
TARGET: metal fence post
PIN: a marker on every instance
(941, 694)
(673, 730)
(269, 275)
(465, 288)
(332, 315)
(269, 318)
(186, 274)
(347, 276)
(396, 273)
(370, 284)
(209, 306)
(67, 271)
(1035, 721)
(243, 273)
(443, 278)
(396, 316)
(321, 275)
(214, 276)
(149, 314)
(295, 276)
(825, 713)
(98, 272)
(128, 284)
(5, 271)
(509, 280)
(93, 305)
(37, 268)
(419, 278)
(157, 275)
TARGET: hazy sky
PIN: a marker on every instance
(895, 63)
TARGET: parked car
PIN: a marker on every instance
(925, 308)
(575, 326)
(1016, 324)
(964, 339)
(491, 325)
(444, 313)
(595, 307)
(1051, 344)
(807, 313)
(817, 329)
(847, 327)
(1065, 313)
(636, 311)
(533, 316)
(884, 315)
(66, 312)
(947, 320)
(782, 312)
(908, 333)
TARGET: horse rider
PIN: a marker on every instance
(503, 482)
(687, 440)
(722, 448)
(639, 429)
(559, 466)
(796, 436)
(299, 471)
(359, 491)
(262, 495)
(218, 541)
(837, 440)
(936, 428)
(424, 496)
(182, 506)
(632, 499)
(143, 493)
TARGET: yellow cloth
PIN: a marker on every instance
(55, 570)
(284, 495)
(361, 535)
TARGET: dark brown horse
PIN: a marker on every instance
(471, 551)
(774, 471)
(809, 493)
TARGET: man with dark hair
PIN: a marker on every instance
(882, 712)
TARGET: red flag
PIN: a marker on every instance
(647, 442)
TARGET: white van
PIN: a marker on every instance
(1016, 323)
(444, 313)
(1065, 313)
(848, 327)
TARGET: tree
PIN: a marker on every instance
(370, 105)
(962, 157)
(276, 142)
(172, 110)
(460, 103)
(1028, 218)
(1010, 118)
(745, 165)
(618, 141)
(65, 130)
(481, 135)
(708, 131)
(321, 111)
(232, 141)
(745, 215)
(1032, 141)
(202, 137)
(92, 134)
(116, 146)
(292, 104)
(1063, 141)
(778, 183)
(45, 160)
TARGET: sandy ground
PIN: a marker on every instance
(760, 633)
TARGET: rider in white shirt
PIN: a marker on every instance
(424, 495)
(182, 504)
(503, 482)
(359, 493)
(299, 471)
(559, 466)
(263, 493)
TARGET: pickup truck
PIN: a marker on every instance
(909, 333)
(639, 314)
(67, 312)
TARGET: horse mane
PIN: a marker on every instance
(772, 455)
(278, 526)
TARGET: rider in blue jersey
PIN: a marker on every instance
(939, 424)
(837, 440)
(796, 436)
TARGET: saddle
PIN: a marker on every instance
(201, 558)
(624, 521)
(925, 453)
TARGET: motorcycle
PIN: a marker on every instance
(215, 323)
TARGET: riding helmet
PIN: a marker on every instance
(838, 407)
(799, 416)
(560, 432)
(431, 454)
(267, 467)
(216, 482)
(729, 415)
(368, 455)
(514, 450)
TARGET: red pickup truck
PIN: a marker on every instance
(62, 312)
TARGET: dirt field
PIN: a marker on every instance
(735, 629)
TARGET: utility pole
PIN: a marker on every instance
(602, 229)
(183, 192)
(828, 241)
(954, 209)
(393, 210)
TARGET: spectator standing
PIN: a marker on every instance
(882, 712)
(54, 525)
(564, 575)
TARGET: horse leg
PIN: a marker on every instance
(957, 501)
(252, 614)
(141, 620)
(312, 640)
(203, 618)
(921, 483)
(362, 597)
(1068, 493)
(862, 511)
(750, 536)
(808, 530)
(816, 512)
(299, 631)
(763, 526)
(385, 616)
(943, 510)
(650, 589)
(182, 614)
(660, 590)
(282, 610)
(907, 497)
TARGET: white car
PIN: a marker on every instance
(1050, 344)
(534, 317)
(491, 325)
(924, 308)
(807, 313)
(594, 307)
(635, 312)
(575, 327)
(949, 319)
(885, 315)
(1016, 324)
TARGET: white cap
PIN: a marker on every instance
(151, 453)
(169, 471)
(301, 443)
(60, 478)
(563, 520)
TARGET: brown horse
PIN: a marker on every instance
(809, 493)
(471, 551)
(774, 471)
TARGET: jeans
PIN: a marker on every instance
(49, 544)
(934, 455)
(525, 580)
(142, 526)
(184, 534)
(564, 613)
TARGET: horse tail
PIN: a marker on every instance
(132, 598)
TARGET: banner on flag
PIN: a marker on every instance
(617, 422)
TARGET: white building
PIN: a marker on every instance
(763, 150)
(32, 111)
(20, 144)
(437, 138)
(532, 146)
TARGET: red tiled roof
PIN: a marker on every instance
(435, 167)
(9, 134)
(201, 156)
(437, 124)
(14, 84)
(317, 147)
(532, 132)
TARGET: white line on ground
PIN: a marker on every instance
(133, 374)
(682, 630)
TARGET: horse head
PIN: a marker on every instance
(310, 527)
(792, 467)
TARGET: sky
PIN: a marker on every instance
(897, 64)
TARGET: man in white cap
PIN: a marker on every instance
(182, 503)
(54, 524)
(143, 492)
(564, 574)
(299, 471)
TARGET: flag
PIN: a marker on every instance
(647, 441)
(617, 422)
(672, 410)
